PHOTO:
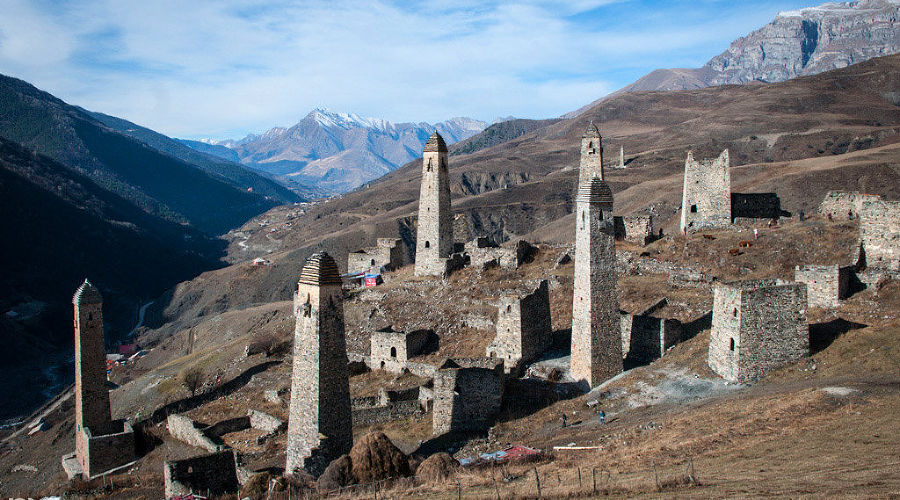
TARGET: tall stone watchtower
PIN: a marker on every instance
(596, 336)
(706, 199)
(319, 427)
(591, 155)
(91, 388)
(434, 239)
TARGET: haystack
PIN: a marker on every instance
(436, 468)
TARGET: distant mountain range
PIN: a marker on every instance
(336, 152)
(797, 43)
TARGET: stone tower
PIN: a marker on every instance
(434, 239)
(621, 156)
(596, 336)
(91, 388)
(320, 427)
(706, 199)
(591, 155)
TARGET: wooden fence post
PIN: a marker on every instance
(656, 475)
(579, 479)
(594, 478)
(458, 490)
(537, 480)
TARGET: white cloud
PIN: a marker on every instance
(192, 68)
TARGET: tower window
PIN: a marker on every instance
(373, 262)
(734, 312)
(428, 169)
(693, 209)
(427, 244)
(732, 345)
(508, 308)
(393, 352)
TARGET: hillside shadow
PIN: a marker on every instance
(691, 328)
(821, 335)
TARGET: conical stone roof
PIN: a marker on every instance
(320, 269)
(595, 191)
(87, 294)
(591, 131)
(435, 144)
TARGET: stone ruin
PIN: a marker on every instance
(751, 208)
(596, 343)
(706, 198)
(320, 427)
(639, 228)
(757, 326)
(434, 237)
(646, 337)
(101, 443)
(390, 405)
(879, 234)
(484, 253)
(213, 474)
(387, 254)
(843, 204)
(523, 328)
(826, 286)
(468, 393)
(391, 350)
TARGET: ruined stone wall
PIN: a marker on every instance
(756, 327)
(639, 228)
(645, 338)
(840, 204)
(214, 474)
(826, 286)
(706, 198)
(386, 413)
(388, 253)
(524, 329)
(466, 399)
(755, 206)
(596, 337)
(434, 237)
(390, 350)
(186, 430)
(113, 448)
(879, 234)
(320, 387)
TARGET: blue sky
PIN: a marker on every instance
(192, 68)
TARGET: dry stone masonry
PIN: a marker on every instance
(826, 286)
(434, 237)
(391, 350)
(596, 342)
(706, 200)
(468, 393)
(523, 328)
(844, 204)
(591, 155)
(320, 426)
(101, 443)
(387, 254)
(214, 474)
(879, 234)
(757, 326)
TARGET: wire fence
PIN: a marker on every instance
(501, 481)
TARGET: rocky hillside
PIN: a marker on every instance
(796, 43)
(337, 152)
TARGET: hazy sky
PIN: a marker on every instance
(191, 68)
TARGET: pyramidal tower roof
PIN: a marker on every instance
(595, 191)
(435, 144)
(591, 130)
(87, 293)
(320, 269)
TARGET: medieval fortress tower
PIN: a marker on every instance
(434, 239)
(706, 200)
(320, 427)
(596, 337)
(92, 393)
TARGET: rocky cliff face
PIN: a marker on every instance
(797, 43)
(810, 41)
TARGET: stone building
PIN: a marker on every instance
(591, 155)
(434, 237)
(757, 326)
(391, 350)
(639, 228)
(596, 343)
(320, 427)
(387, 254)
(101, 443)
(214, 474)
(523, 328)
(842, 204)
(879, 234)
(646, 337)
(482, 252)
(706, 199)
(468, 393)
(826, 286)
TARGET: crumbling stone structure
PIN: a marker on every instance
(214, 474)
(706, 200)
(434, 237)
(387, 254)
(483, 252)
(591, 155)
(757, 326)
(826, 286)
(101, 443)
(751, 207)
(596, 343)
(391, 350)
(468, 393)
(523, 328)
(842, 204)
(879, 234)
(639, 227)
(319, 426)
(646, 337)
